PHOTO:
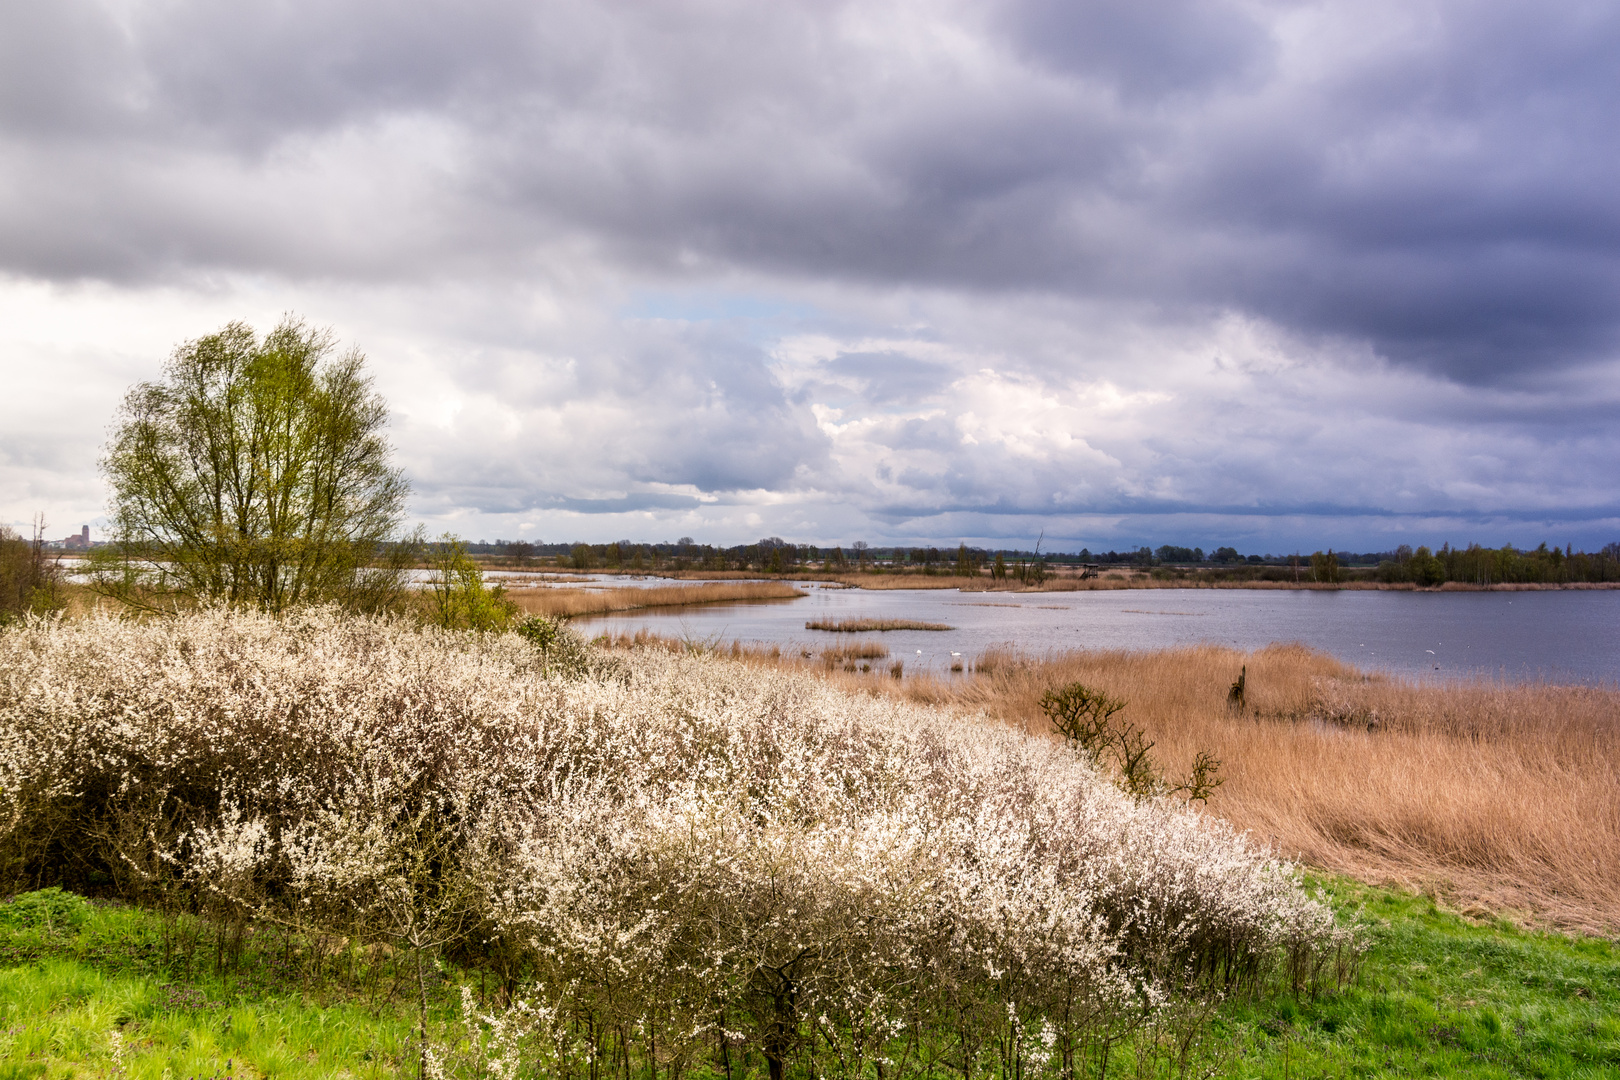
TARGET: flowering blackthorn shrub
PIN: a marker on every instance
(678, 859)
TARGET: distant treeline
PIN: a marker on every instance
(1477, 565)
(1473, 564)
(772, 554)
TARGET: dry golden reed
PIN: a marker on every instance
(1064, 580)
(577, 602)
(863, 626)
(1496, 793)
(855, 650)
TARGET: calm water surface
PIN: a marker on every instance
(1564, 636)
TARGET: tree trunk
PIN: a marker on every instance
(421, 1027)
(779, 1034)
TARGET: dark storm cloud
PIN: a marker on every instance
(243, 75)
(1451, 197)
(1437, 180)
(1144, 50)
(912, 264)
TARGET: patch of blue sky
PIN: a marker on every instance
(708, 306)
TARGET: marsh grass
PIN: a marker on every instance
(886, 581)
(1063, 579)
(1118, 580)
(855, 650)
(863, 626)
(1501, 794)
(857, 656)
(578, 602)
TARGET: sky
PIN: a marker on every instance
(1263, 274)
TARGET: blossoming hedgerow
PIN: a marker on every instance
(685, 851)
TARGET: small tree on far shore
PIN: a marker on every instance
(964, 562)
(1325, 567)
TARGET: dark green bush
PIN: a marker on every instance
(1089, 720)
(45, 909)
(565, 652)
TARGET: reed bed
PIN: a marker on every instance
(1499, 797)
(881, 582)
(863, 626)
(846, 657)
(855, 650)
(858, 656)
(1063, 581)
(1121, 580)
(572, 603)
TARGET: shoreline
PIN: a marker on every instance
(1059, 579)
(884, 581)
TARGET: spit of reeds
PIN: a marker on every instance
(855, 650)
(863, 626)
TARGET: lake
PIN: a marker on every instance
(1560, 636)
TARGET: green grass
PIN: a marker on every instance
(1436, 996)
(1440, 996)
(65, 990)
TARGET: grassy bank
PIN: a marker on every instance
(114, 991)
(1439, 994)
(122, 992)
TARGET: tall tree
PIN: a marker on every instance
(256, 473)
